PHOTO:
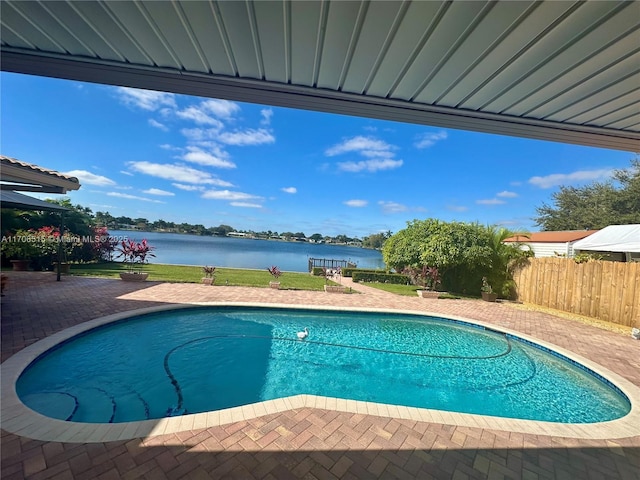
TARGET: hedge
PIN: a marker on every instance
(394, 278)
(349, 271)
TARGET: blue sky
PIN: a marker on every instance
(197, 160)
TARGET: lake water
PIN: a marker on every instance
(174, 248)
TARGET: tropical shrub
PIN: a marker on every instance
(40, 246)
(209, 272)
(275, 272)
(135, 254)
(378, 277)
(427, 277)
(104, 245)
(462, 253)
(349, 271)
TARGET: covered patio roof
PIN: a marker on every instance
(564, 71)
(25, 177)
(24, 202)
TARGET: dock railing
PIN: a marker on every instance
(329, 263)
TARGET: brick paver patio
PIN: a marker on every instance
(309, 443)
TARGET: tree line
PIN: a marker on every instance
(116, 223)
(596, 205)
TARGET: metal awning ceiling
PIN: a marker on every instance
(565, 71)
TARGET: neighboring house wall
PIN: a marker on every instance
(551, 249)
(548, 249)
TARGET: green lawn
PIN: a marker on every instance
(191, 274)
(408, 290)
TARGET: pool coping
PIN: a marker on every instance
(17, 418)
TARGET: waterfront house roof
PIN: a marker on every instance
(16, 175)
(552, 237)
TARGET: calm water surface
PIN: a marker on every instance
(174, 248)
(198, 360)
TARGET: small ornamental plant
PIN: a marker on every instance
(209, 272)
(209, 275)
(486, 288)
(105, 245)
(275, 272)
(135, 254)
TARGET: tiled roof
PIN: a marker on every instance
(28, 166)
(552, 237)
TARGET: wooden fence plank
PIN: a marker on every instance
(561, 290)
(594, 308)
(616, 282)
(600, 289)
(628, 293)
(606, 293)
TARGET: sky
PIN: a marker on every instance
(155, 155)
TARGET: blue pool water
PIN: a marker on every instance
(201, 359)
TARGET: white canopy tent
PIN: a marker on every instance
(614, 238)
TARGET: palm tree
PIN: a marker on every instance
(506, 258)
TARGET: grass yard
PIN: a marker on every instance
(191, 274)
(408, 290)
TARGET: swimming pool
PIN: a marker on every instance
(201, 359)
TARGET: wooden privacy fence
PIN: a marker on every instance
(599, 289)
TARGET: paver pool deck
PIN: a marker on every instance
(308, 442)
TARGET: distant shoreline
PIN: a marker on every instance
(248, 238)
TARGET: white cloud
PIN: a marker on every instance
(289, 189)
(157, 191)
(89, 178)
(356, 203)
(429, 139)
(156, 124)
(507, 194)
(370, 165)
(266, 113)
(167, 146)
(457, 208)
(145, 99)
(199, 116)
(245, 204)
(367, 146)
(228, 195)
(199, 156)
(251, 136)
(220, 108)
(490, 201)
(124, 172)
(177, 172)
(198, 134)
(380, 154)
(132, 197)
(557, 179)
(392, 207)
(101, 205)
(192, 188)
